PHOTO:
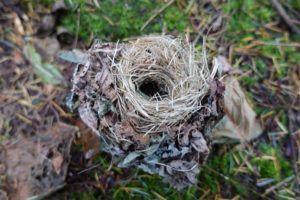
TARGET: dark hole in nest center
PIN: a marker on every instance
(152, 88)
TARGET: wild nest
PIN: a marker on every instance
(160, 83)
(153, 102)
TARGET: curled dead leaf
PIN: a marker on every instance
(57, 163)
(239, 121)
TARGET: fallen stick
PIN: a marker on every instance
(285, 16)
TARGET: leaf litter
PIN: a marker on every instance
(35, 143)
(36, 166)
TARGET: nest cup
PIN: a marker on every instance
(161, 82)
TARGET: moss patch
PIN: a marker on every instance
(114, 20)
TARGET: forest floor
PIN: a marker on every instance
(260, 43)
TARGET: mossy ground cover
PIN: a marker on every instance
(256, 42)
(112, 21)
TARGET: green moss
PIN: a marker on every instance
(145, 187)
(261, 111)
(174, 20)
(271, 163)
(247, 17)
(283, 118)
(209, 180)
(283, 58)
(261, 66)
(250, 81)
(46, 3)
(294, 4)
(220, 172)
(115, 20)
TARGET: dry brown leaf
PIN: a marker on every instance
(89, 141)
(36, 166)
(185, 173)
(240, 119)
(57, 163)
(106, 80)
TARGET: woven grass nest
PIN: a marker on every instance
(152, 103)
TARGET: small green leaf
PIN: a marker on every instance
(46, 71)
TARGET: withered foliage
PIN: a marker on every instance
(36, 166)
(34, 143)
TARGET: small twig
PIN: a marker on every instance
(175, 169)
(46, 194)
(157, 13)
(201, 30)
(294, 44)
(292, 144)
(231, 180)
(77, 28)
(285, 16)
(96, 3)
(9, 44)
(278, 185)
(88, 169)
